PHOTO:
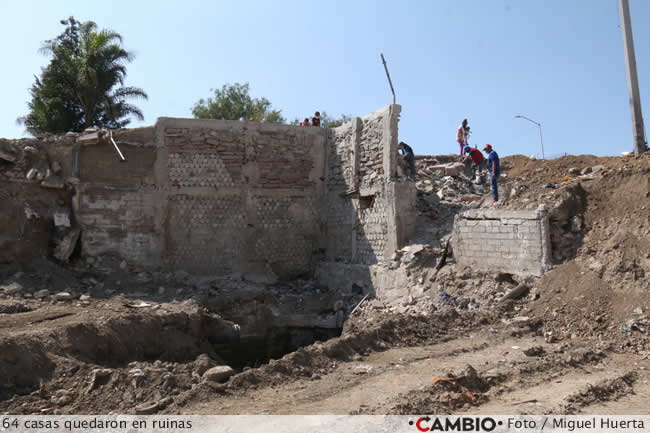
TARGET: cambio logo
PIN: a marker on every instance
(428, 424)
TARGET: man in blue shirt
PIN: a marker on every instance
(494, 169)
(409, 157)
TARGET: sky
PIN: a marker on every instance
(558, 62)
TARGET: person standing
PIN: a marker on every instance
(494, 169)
(409, 157)
(461, 136)
(315, 121)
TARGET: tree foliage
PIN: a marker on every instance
(233, 102)
(83, 85)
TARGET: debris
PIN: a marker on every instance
(43, 293)
(518, 292)
(11, 289)
(32, 173)
(66, 246)
(54, 182)
(62, 219)
(218, 374)
(62, 296)
(146, 409)
(535, 351)
(362, 369)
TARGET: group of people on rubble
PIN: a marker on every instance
(315, 121)
(480, 164)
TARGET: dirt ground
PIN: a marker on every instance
(106, 338)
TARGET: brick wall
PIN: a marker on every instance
(222, 197)
(364, 219)
(509, 241)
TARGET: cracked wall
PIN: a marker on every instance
(516, 242)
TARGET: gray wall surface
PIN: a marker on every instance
(219, 197)
(516, 242)
(208, 196)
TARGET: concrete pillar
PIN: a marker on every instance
(640, 144)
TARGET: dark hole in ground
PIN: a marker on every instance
(255, 351)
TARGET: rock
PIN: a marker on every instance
(585, 170)
(574, 171)
(42, 294)
(218, 374)
(30, 149)
(597, 168)
(627, 154)
(516, 293)
(203, 363)
(12, 289)
(62, 296)
(84, 297)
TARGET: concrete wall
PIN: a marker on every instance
(369, 211)
(208, 196)
(516, 242)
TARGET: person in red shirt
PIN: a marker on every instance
(315, 121)
(305, 122)
(478, 161)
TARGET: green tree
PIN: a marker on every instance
(83, 85)
(233, 102)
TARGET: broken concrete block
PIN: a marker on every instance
(54, 182)
(218, 374)
(66, 246)
(41, 293)
(516, 293)
(32, 173)
(62, 219)
(12, 289)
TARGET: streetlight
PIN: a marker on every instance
(518, 116)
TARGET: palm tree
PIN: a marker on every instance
(83, 85)
(101, 67)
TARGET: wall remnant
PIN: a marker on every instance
(369, 211)
(516, 242)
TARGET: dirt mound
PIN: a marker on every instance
(63, 360)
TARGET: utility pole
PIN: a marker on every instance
(640, 144)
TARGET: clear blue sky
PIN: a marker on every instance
(560, 62)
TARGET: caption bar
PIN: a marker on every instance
(320, 423)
